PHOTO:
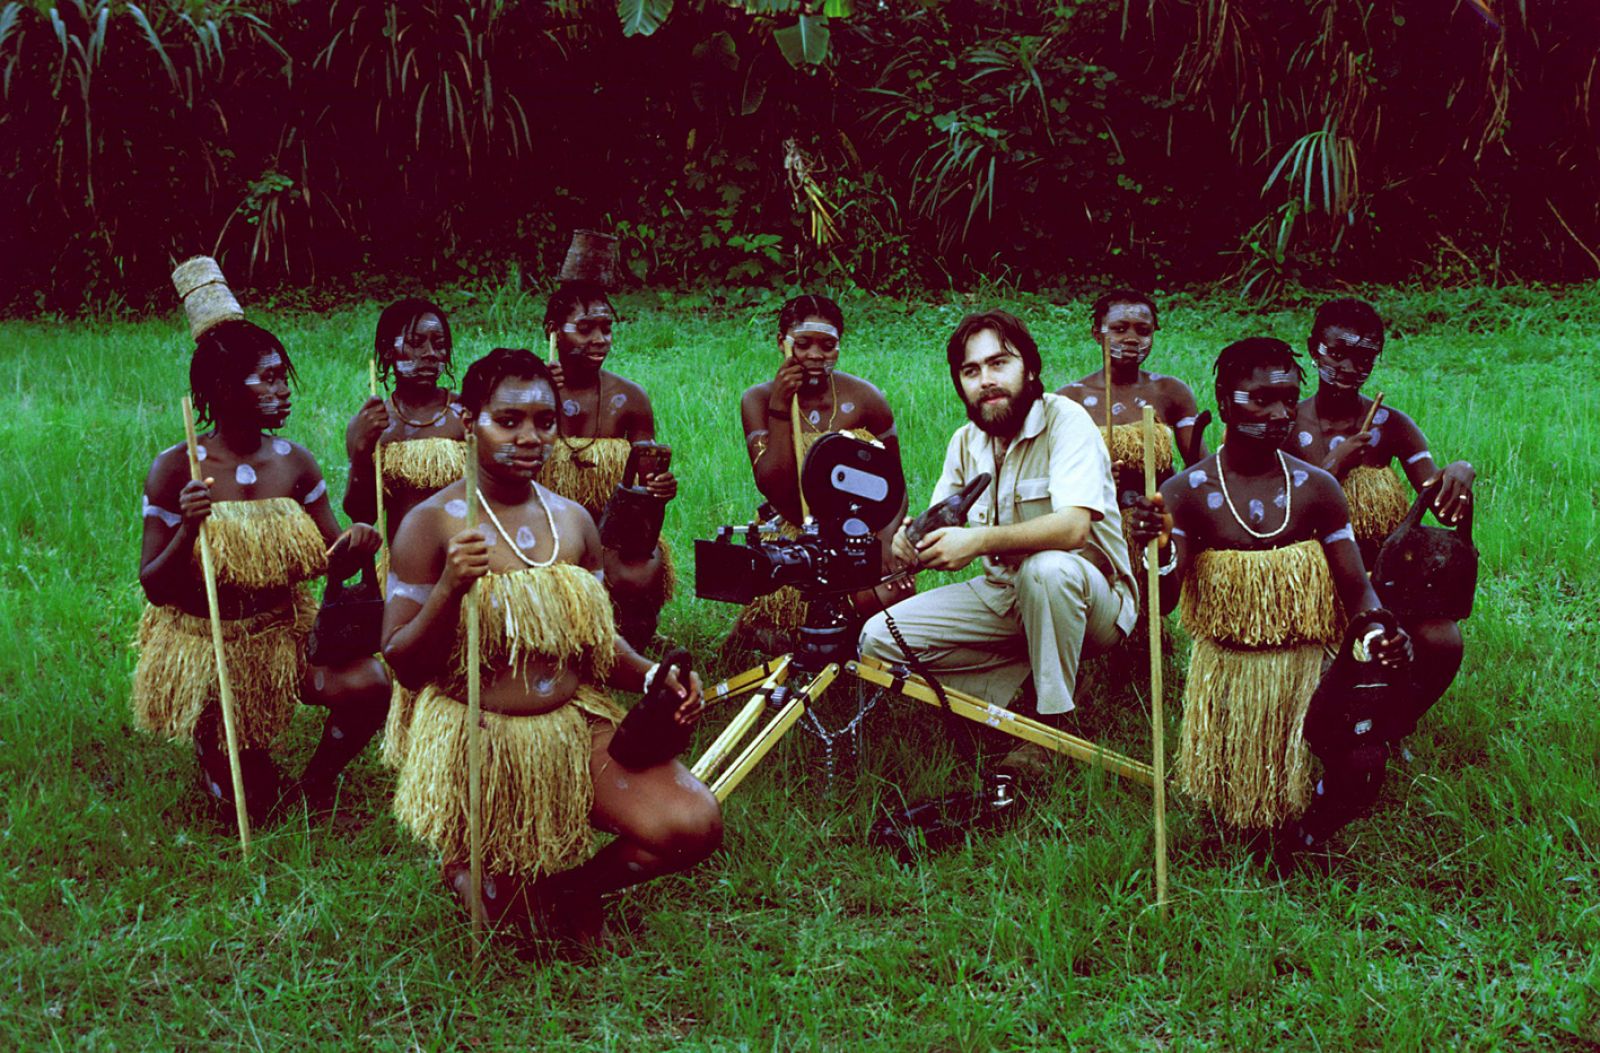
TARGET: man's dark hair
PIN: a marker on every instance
(800, 308)
(503, 363)
(569, 295)
(1243, 357)
(1013, 333)
(398, 319)
(1111, 296)
(1358, 316)
(223, 356)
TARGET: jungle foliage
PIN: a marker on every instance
(892, 145)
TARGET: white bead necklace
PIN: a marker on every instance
(555, 535)
(1288, 498)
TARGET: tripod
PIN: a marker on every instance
(825, 652)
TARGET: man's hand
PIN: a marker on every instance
(950, 548)
(1452, 501)
(370, 422)
(350, 549)
(905, 555)
(1149, 521)
(1346, 455)
(466, 559)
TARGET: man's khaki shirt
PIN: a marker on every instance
(1057, 461)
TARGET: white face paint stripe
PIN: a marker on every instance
(1281, 376)
(1423, 456)
(1344, 533)
(404, 590)
(1241, 398)
(316, 492)
(1179, 532)
(151, 511)
(484, 420)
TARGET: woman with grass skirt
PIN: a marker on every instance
(422, 438)
(549, 652)
(1260, 546)
(810, 333)
(1345, 342)
(1123, 322)
(271, 529)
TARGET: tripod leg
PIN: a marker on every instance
(740, 726)
(762, 744)
(1015, 725)
(749, 680)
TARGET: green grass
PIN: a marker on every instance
(1466, 914)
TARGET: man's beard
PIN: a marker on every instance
(1003, 421)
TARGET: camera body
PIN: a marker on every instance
(853, 489)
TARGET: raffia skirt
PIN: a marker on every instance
(176, 678)
(537, 790)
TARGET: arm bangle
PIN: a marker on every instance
(649, 676)
(1171, 563)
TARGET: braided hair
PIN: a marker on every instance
(398, 320)
(223, 356)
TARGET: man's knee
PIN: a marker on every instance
(1054, 571)
(876, 642)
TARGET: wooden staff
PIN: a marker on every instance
(794, 435)
(552, 347)
(1157, 729)
(1107, 351)
(1372, 411)
(382, 518)
(208, 570)
(474, 702)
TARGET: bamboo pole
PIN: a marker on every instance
(794, 435)
(1372, 411)
(1157, 725)
(474, 738)
(1106, 351)
(553, 358)
(381, 519)
(208, 570)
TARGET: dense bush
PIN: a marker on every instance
(895, 145)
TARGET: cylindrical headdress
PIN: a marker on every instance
(206, 297)
(592, 257)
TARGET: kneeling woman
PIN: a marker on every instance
(271, 528)
(549, 649)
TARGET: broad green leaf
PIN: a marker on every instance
(640, 18)
(805, 42)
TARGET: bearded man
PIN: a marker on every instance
(1056, 580)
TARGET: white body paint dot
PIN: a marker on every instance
(815, 416)
(1213, 500)
(199, 453)
(281, 447)
(1336, 442)
(525, 538)
(1305, 438)
(1300, 477)
(1257, 509)
(847, 407)
(1281, 500)
(570, 407)
(618, 400)
(1116, 407)
(244, 475)
(1091, 400)
(456, 508)
(1140, 402)
(1197, 478)
(1380, 416)
(319, 679)
(336, 732)
(1377, 433)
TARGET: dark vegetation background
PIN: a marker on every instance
(344, 148)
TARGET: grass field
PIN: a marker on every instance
(1467, 914)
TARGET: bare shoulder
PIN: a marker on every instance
(633, 391)
(168, 473)
(1310, 480)
(1172, 393)
(568, 514)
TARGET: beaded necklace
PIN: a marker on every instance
(1288, 498)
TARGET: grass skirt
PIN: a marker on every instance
(1378, 500)
(1241, 750)
(176, 678)
(1127, 446)
(537, 790)
(397, 725)
(423, 464)
(1260, 621)
(587, 471)
(263, 544)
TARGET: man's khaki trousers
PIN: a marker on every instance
(984, 638)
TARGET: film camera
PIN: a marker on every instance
(853, 490)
